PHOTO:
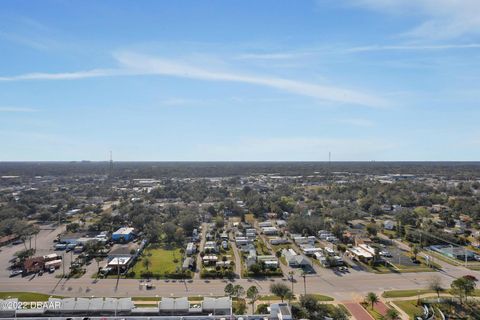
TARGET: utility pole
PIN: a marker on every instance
(291, 280)
(304, 275)
(466, 263)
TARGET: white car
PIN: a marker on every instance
(14, 273)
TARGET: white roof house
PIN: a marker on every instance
(361, 252)
(124, 231)
(389, 224)
(294, 259)
(280, 311)
(269, 230)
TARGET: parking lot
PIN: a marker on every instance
(44, 244)
(399, 257)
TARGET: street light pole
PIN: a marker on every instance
(304, 275)
(291, 280)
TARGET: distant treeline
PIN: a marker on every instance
(460, 170)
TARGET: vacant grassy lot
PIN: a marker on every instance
(161, 261)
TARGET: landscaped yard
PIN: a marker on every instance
(413, 293)
(374, 313)
(410, 307)
(405, 293)
(261, 247)
(162, 261)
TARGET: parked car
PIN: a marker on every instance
(51, 269)
(386, 254)
(14, 273)
(343, 269)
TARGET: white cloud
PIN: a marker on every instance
(17, 109)
(138, 64)
(143, 64)
(413, 47)
(273, 56)
(444, 19)
(66, 75)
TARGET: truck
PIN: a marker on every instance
(60, 246)
(51, 257)
(55, 264)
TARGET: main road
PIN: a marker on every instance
(342, 286)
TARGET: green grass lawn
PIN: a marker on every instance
(145, 299)
(405, 293)
(145, 305)
(277, 247)
(410, 307)
(261, 247)
(162, 261)
(26, 296)
(268, 297)
(413, 293)
(443, 258)
(321, 297)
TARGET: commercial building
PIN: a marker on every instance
(123, 234)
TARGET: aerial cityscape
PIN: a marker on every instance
(244, 160)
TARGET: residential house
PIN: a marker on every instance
(295, 260)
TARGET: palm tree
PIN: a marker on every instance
(238, 291)
(435, 284)
(252, 294)
(228, 290)
(290, 275)
(371, 298)
(280, 290)
(415, 251)
(98, 259)
(146, 262)
(304, 275)
(391, 314)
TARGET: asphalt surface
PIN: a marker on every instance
(351, 286)
(343, 287)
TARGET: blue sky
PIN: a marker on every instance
(240, 80)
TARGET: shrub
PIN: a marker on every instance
(262, 308)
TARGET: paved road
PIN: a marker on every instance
(203, 232)
(343, 287)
